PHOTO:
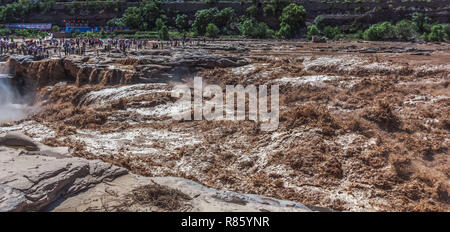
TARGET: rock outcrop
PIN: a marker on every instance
(18, 140)
(143, 66)
(31, 180)
(318, 39)
(115, 196)
(40, 73)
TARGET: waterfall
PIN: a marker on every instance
(11, 102)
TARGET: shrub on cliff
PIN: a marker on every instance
(17, 10)
(382, 31)
(30, 33)
(331, 32)
(254, 29)
(163, 32)
(406, 30)
(447, 30)
(223, 19)
(142, 17)
(285, 31)
(116, 22)
(5, 32)
(159, 23)
(132, 17)
(212, 30)
(150, 12)
(293, 15)
(437, 33)
(311, 31)
(420, 20)
(202, 19)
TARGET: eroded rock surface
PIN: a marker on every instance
(139, 66)
(30, 180)
(113, 196)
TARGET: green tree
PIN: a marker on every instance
(163, 33)
(132, 17)
(254, 29)
(150, 13)
(291, 16)
(212, 30)
(225, 17)
(202, 19)
(159, 23)
(182, 23)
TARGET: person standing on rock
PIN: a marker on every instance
(66, 49)
(84, 48)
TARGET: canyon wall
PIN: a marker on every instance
(35, 74)
(335, 13)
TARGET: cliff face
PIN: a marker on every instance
(339, 13)
(143, 67)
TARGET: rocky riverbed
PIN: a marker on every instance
(363, 127)
(35, 177)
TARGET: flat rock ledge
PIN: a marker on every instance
(35, 177)
(32, 175)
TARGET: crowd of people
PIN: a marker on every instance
(37, 48)
(44, 48)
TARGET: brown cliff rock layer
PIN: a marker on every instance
(41, 73)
